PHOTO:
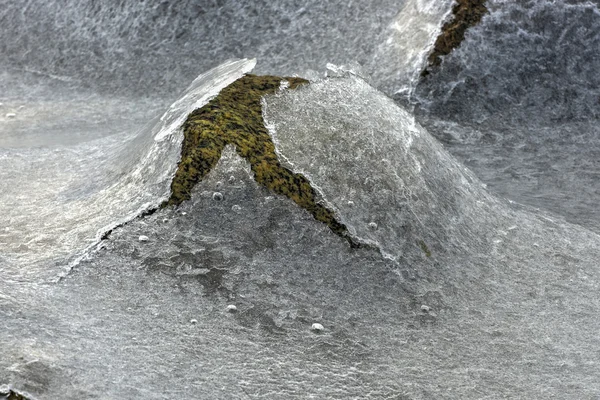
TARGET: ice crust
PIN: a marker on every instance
(517, 103)
(505, 305)
(401, 54)
(141, 48)
(58, 201)
(462, 295)
(399, 184)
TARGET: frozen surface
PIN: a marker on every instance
(401, 185)
(462, 295)
(58, 200)
(524, 56)
(132, 46)
(47, 113)
(511, 313)
(398, 60)
(518, 103)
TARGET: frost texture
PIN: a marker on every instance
(518, 103)
(505, 305)
(484, 299)
(392, 184)
(401, 54)
(57, 201)
(142, 48)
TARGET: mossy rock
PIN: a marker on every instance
(12, 395)
(466, 13)
(234, 117)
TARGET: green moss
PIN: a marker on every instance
(234, 117)
(424, 247)
(466, 13)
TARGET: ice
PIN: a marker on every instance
(401, 53)
(419, 326)
(59, 201)
(399, 186)
(517, 102)
(239, 293)
(141, 49)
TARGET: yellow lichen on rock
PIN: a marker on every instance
(234, 117)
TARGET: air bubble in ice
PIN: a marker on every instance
(217, 196)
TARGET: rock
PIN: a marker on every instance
(11, 115)
(193, 321)
(465, 14)
(425, 308)
(143, 238)
(231, 308)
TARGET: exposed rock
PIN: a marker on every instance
(466, 13)
(235, 117)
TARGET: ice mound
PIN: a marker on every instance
(481, 297)
(391, 183)
(59, 201)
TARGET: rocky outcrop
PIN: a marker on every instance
(235, 118)
(466, 13)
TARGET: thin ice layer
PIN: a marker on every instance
(511, 315)
(391, 183)
(57, 201)
(402, 52)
